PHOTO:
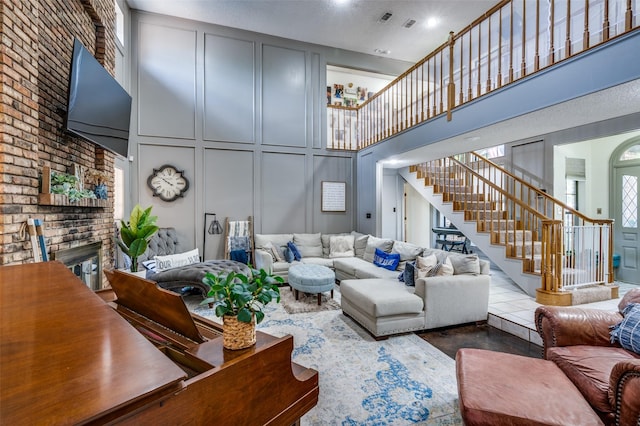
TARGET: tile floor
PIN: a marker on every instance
(511, 309)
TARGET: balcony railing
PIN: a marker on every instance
(513, 40)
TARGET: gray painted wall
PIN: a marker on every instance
(243, 114)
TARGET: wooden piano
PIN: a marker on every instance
(67, 357)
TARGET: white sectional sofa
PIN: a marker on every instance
(374, 296)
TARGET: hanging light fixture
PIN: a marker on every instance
(215, 227)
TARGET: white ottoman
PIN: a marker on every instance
(314, 279)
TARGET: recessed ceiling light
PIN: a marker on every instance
(409, 23)
(384, 18)
(382, 51)
(432, 22)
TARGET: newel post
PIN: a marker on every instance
(451, 87)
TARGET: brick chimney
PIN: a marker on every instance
(35, 52)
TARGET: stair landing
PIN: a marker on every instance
(512, 310)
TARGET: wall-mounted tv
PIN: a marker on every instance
(98, 108)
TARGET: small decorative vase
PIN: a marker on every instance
(101, 191)
(237, 334)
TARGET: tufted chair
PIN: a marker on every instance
(164, 242)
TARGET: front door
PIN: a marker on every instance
(626, 208)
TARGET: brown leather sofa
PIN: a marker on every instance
(577, 340)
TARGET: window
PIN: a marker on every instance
(493, 152)
(633, 153)
(571, 196)
(572, 193)
(629, 201)
(119, 23)
(118, 193)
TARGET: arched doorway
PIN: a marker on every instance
(625, 205)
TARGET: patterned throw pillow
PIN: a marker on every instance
(409, 274)
(430, 267)
(386, 260)
(341, 246)
(627, 331)
(174, 260)
(270, 248)
(288, 254)
(296, 253)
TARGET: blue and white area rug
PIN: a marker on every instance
(400, 381)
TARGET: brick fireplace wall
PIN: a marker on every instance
(35, 54)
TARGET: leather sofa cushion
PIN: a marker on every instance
(504, 389)
(589, 368)
(632, 296)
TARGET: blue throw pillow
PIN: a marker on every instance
(627, 331)
(288, 254)
(409, 274)
(386, 260)
(294, 250)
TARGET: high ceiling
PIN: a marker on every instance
(347, 24)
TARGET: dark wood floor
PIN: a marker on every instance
(481, 336)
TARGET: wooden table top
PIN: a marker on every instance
(65, 356)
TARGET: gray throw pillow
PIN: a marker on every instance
(469, 264)
(360, 243)
(373, 243)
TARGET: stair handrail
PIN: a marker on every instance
(525, 208)
(551, 230)
(499, 189)
(552, 281)
(541, 193)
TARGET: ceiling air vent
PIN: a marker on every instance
(409, 23)
(384, 18)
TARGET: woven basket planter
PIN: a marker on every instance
(237, 334)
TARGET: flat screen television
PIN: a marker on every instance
(98, 108)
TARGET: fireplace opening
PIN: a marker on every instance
(85, 262)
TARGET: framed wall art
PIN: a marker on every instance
(333, 196)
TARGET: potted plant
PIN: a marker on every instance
(98, 179)
(135, 234)
(238, 299)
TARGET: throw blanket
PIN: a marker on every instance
(239, 256)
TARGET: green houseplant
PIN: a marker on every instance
(239, 299)
(135, 234)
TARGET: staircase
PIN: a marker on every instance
(552, 251)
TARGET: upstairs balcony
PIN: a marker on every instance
(513, 40)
